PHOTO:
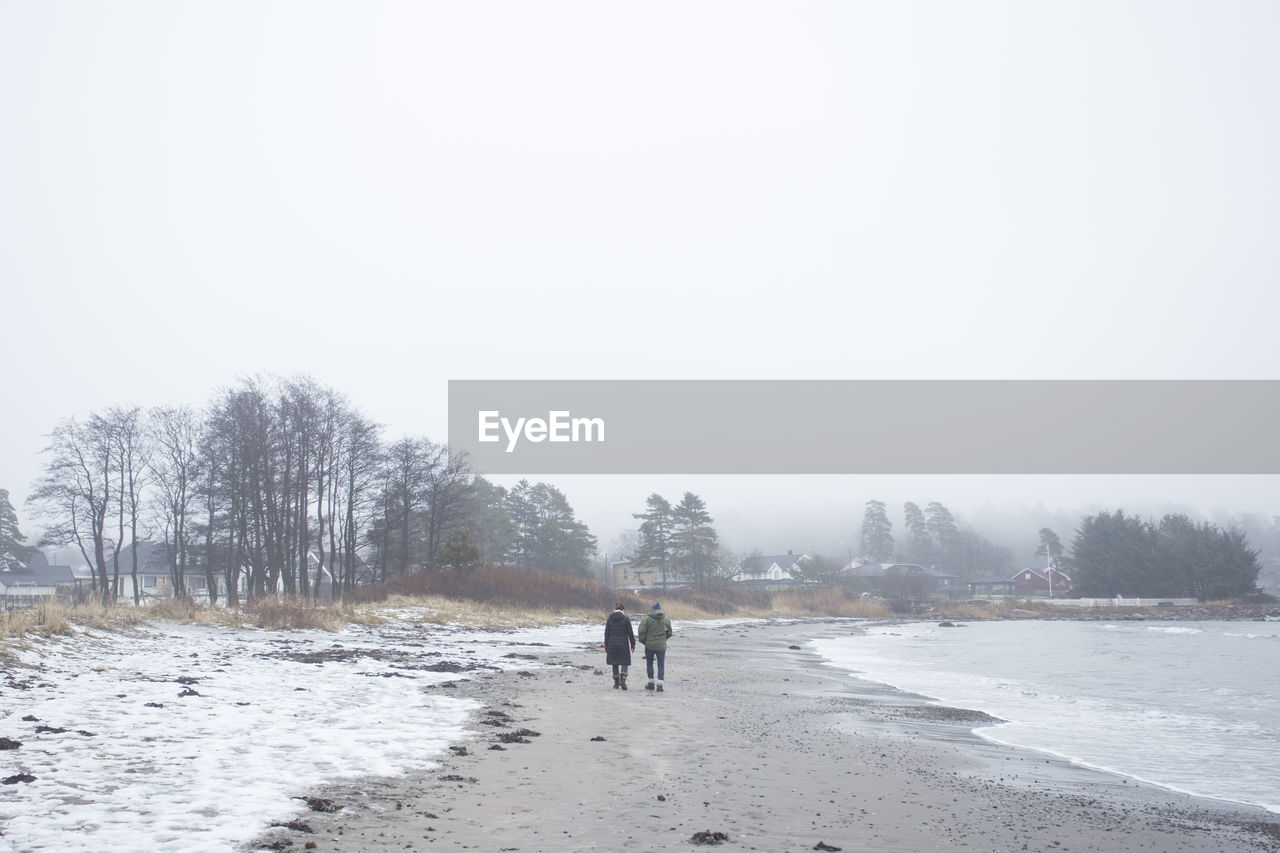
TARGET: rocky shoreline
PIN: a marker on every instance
(1189, 613)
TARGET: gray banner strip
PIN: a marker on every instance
(866, 427)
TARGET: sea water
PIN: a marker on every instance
(1189, 706)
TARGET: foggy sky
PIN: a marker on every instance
(389, 195)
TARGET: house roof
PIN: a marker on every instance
(879, 570)
(988, 579)
(153, 558)
(1057, 573)
(44, 576)
(758, 563)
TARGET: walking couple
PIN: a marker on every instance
(620, 642)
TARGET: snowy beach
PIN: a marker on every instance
(758, 742)
(421, 736)
(197, 738)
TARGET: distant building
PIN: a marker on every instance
(878, 576)
(761, 569)
(36, 579)
(990, 585)
(627, 574)
(1039, 582)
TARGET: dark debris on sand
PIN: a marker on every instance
(320, 804)
(709, 837)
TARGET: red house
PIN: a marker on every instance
(1036, 582)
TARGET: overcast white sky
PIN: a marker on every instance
(390, 195)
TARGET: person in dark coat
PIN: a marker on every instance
(619, 643)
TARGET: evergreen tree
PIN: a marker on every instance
(1116, 554)
(876, 541)
(13, 550)
(919, 545)
(489, 521)
(657, 522)
(1050, 546)
(458, 552)
(943, 532)
(694, 541)
(547, 535)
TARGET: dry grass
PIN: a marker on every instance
(439, 610)
(47, 618)
(826, 602)
(504, 586)
(279, 612)
(189, 611)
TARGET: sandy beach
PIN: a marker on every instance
(754, 745)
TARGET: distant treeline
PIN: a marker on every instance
(1175, 557)
(273, 480)
(933, 537)
(1112, 553)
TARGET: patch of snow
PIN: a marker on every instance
(268, 716)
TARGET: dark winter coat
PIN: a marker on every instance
(655, 630)
(619, 638)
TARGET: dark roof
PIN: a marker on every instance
(45, 576)
(37, 561)
(988, 579)
(153, 559)
(761, 563)
(879, 570)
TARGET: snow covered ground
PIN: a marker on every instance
(183, 737)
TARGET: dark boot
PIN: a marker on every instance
(659, 686)
(617, 681)
(624, 681)
(649, 686)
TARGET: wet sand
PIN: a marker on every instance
(754, 744)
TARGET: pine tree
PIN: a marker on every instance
(694, 540)
(876, 542)
(943, 531)
(919, 545)
(1050, 546)
(655, 535)
(13, 550)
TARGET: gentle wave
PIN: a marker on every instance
(1195, 716)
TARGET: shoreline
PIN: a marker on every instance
(758, 739)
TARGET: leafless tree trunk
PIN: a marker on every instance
(75, 491)
(132, 455)
(176, 469)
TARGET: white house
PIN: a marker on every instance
(38, 580)
(760, 568)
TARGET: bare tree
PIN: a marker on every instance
(74, 492)
(360, 456)
(131, 461)
(176, 469)
(446, 488)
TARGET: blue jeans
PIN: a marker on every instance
(649, 655)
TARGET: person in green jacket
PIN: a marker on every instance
(655, 630)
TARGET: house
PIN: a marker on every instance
(627, 574)
(770, 571)
(323, 576)
(1041, 582)
(36, 581)
(990, 585)
(154, 578)
(878, 576)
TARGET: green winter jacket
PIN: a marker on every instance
(655, 628)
